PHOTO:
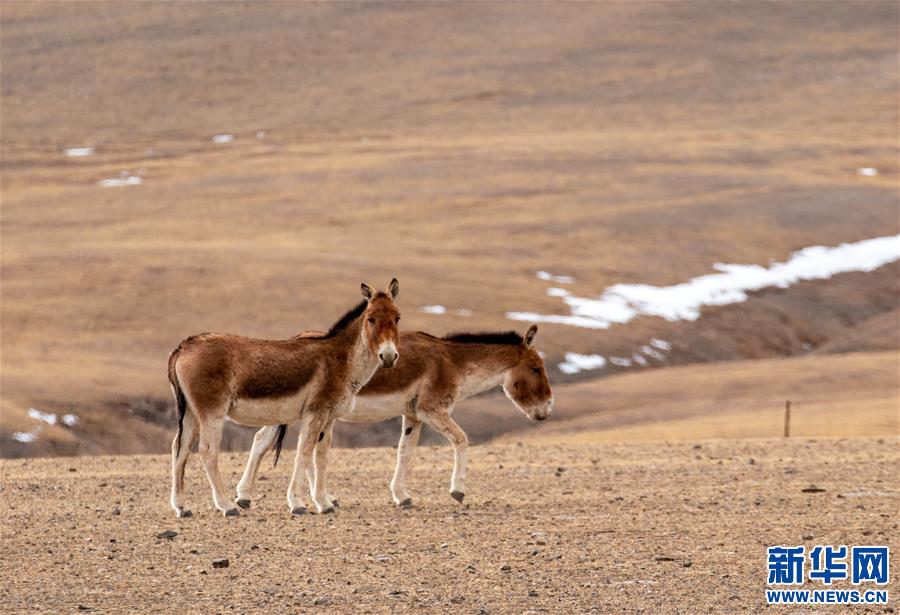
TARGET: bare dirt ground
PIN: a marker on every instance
(613, 528)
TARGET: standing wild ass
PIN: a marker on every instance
(435, 374)
(268, 382)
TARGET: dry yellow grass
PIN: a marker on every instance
(458, 149)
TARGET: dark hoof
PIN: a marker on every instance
(184, 513)
(245, 504)
(328, 511)
(232, 512)
(299, 510)
(458, 496)
(407, 503)
(335, 503)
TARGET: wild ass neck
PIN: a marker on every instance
(362, 363)
(483, 366)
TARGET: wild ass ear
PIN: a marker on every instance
(394, 289)
(529, 336)
(367, 291)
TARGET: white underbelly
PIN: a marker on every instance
(375, 408)
(268, 411)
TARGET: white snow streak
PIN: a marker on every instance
(624, 302)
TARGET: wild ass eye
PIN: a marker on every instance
(536, 370)
(371, 321)
(397, 319)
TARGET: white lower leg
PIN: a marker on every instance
(262, 442)
(458, 479)
(306, 444)
(180, 453)
(210, 441)
(409, 437)
(320, 496)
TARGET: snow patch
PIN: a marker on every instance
(559, 279)
(260, 134)
(433, 309)
(27, 437)
(575, 362)
(620, 361)
(640, 360)
(867, 171)
(464, 312)
(127, 180)
(70, 420)
(47, 417)
(655, 354)
(222, 138)
(661, 344)
(623, 302)
(79, 152)
(558, 292)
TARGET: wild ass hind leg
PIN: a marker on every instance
(311, 426)
(441, 422)
(181, 450)
(321, 446)
(210, 442)
(409, 438)
(262, 442)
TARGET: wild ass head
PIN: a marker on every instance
(381, 318)
(526, 383)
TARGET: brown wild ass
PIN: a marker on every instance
(435, 374)
(266, 382)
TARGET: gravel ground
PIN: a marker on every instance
(653, 527)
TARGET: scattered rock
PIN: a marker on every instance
(665, 558)
(751, 461)
(813, 489)
(532, 593)
(687, 564)
(808, 537)
(115, 512)
(321, 601)
(505, 568)
(170, 534)
(221, 562)
(382, 558)
(457, 599)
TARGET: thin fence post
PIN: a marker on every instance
(787, 418)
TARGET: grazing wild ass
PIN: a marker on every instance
(435, 374)
(254, 382)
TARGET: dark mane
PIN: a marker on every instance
(347, 318)
(509, 338)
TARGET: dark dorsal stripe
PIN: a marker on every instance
(509, 338)
(349, 317)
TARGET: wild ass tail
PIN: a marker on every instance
(282, 429)
(180, 399)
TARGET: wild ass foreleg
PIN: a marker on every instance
(180, 452)
(441, 422)
(322, 447)
(210, 442)
(310, 428)
(409, 437)
(324, 502)
(262, 442)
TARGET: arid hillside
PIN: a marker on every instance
(242, 167)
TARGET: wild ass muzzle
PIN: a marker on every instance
(216, 376)
(434, 375)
